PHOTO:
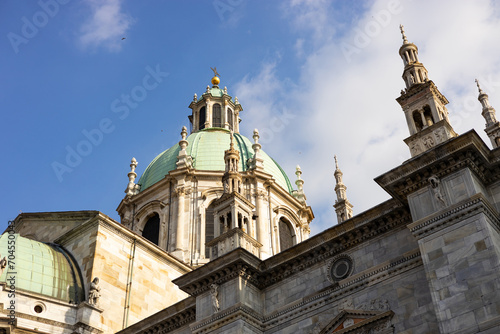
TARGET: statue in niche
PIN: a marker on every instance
(214, 291)
(412, 79)
(435, 185)
(94, 292)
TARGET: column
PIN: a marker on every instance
(202, 231)
(179, 242)
(208, 115)
(424, 122)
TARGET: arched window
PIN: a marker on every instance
(203, 117)
(151, 230)
(428, 116)
(286, 234)
(216, 116)
(209, 226)
(230, 118)
(417, 119)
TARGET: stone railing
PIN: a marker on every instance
(231, 240)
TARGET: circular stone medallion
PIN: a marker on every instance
(340, 267)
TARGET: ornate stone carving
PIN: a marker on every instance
(415, 147)
(381, 328)
(440, 135)
(376, 305)
(260, 194)
(428, 141)
(348, 322)
(346, 304)
(94, 292)
(179, 191)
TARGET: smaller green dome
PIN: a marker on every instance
(41, 268)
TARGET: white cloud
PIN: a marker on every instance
(346, 105)
(107, 25)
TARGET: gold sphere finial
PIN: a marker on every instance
(215, 79)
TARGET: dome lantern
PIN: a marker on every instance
(215, 108)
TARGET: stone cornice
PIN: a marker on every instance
(373, 317)
(33, 318)
(234, 313)
(171, 318)
(346, 287)
(365, 225)
(457, 213)
(101, 220)
(80, 216)
(227, 198)
(381, 219)
(239, 262)
(232, 232)
(465, 151)
(422, 88)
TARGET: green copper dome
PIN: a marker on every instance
(207, 149)
(41, 268)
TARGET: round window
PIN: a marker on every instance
(38, 308)
(340, 268)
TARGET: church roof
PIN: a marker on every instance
(41, 268)
(207, 149)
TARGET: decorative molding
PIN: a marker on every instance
(459, 212)
(236, 312)
(178, 320)
(375, 322)
(128, 235)
(346, 287)
(465, 151)
(344, 258)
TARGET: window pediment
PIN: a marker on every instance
(360, 322)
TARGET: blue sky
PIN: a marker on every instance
(328, 71)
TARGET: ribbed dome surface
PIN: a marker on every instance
(43, 269)
(207, 149)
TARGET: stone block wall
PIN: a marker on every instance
(105, 249)
(462, 266)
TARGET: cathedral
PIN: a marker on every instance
(214, 238)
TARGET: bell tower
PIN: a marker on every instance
(492, 124)
(423, 104)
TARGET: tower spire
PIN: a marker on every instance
(424, 106)
(132, 188)
(342, 206)
(299, 193)
(184, 159)
(405, 40)
(232, 179)
(492, 128)
(256, 162)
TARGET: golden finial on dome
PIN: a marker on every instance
(215, 79)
